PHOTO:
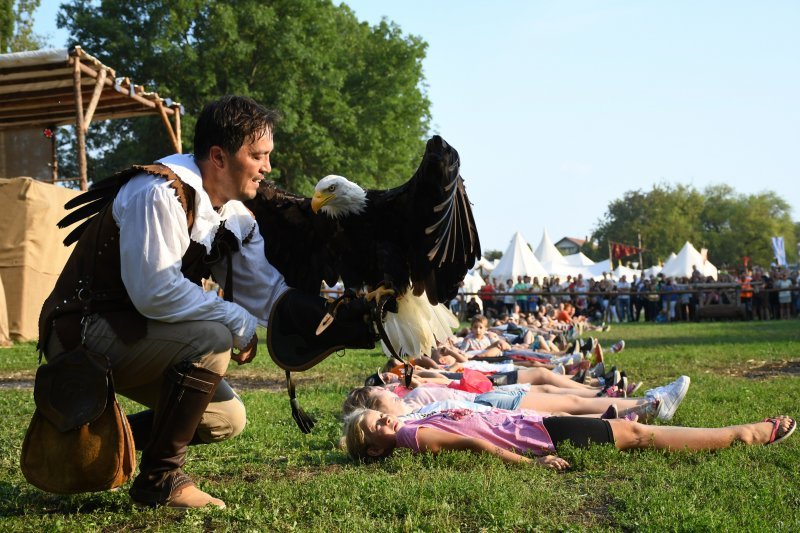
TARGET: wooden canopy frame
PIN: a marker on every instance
(49, 88)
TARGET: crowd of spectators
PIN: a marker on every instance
(755, 294)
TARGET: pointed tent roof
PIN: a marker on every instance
(518, 260)
(578, 259)
(547, 252)
(671, 257)
(681, 265)
(651, 272)
(473, 282)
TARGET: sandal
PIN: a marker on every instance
(775, 438)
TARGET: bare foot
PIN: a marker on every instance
(775, 430)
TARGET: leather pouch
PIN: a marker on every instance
(79, 439)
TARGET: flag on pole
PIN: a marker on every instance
(619, 250)
(779, 251)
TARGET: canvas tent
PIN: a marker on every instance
(547, 252)
(472, 283)
(681, 265)
(578, 260)
(651, 272)
(627, 272)
(31, 251)
(484, 266)
(5, 336)
(518, 260)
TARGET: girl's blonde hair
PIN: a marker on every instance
(356, 441)
(360, 398)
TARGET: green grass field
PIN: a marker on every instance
(274, 478)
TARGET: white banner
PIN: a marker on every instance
(779, 250)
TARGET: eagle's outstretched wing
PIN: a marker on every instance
(431, 215)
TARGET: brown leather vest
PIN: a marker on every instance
(91, 281)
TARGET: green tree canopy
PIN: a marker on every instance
(16, 26)
(352, 95)
(730, 225)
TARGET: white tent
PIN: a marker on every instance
(547, 252)
(472, 283)
(518, 260)
(671, 257)
(596, 270)
(627, 272)
(484, 265)
(681, 265)
(578, 260)
(651, 272)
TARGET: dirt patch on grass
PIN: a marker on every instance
(753, 369)
(239, 381)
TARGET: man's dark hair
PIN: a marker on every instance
(229, 122)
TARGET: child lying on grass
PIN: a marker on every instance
(660, 403)
(370, 434)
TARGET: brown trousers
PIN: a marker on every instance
(138, 368)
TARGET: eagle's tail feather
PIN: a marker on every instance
(417, 325)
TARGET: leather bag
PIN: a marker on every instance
(79, 439)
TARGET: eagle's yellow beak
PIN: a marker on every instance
(320, 199)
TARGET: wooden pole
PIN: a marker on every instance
(79, 124)
(610, 257)
(641, 263)
(177, 118)
(98, 88)
(53, 156)
(168, 125)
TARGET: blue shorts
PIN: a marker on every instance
(502, 399)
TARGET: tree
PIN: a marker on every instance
(351, 95)
(16, 26)
(665, 217)
(728, 224)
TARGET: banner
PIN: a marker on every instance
(619, 250)
(779, 250)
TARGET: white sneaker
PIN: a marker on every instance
(617, 347)
(669, 397)
(559, 369)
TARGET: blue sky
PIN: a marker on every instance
(559, 107)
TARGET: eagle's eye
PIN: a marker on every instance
(332, 188)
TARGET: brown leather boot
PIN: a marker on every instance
(185, 394)
(141, 424)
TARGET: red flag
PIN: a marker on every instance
(619, 250)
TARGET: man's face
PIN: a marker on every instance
(248, 166)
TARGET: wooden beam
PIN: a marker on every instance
(31, 68)
(98, 88)
(168, 125)
(53, 157)
(79, 126)
(178, 134)
(56, 121)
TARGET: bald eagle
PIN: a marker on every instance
(418, 239)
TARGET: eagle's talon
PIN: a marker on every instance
(379, 293)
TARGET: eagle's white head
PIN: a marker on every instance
(337, 197)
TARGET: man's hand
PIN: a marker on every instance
(248, 353)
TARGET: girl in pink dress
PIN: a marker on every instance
(513, 435)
